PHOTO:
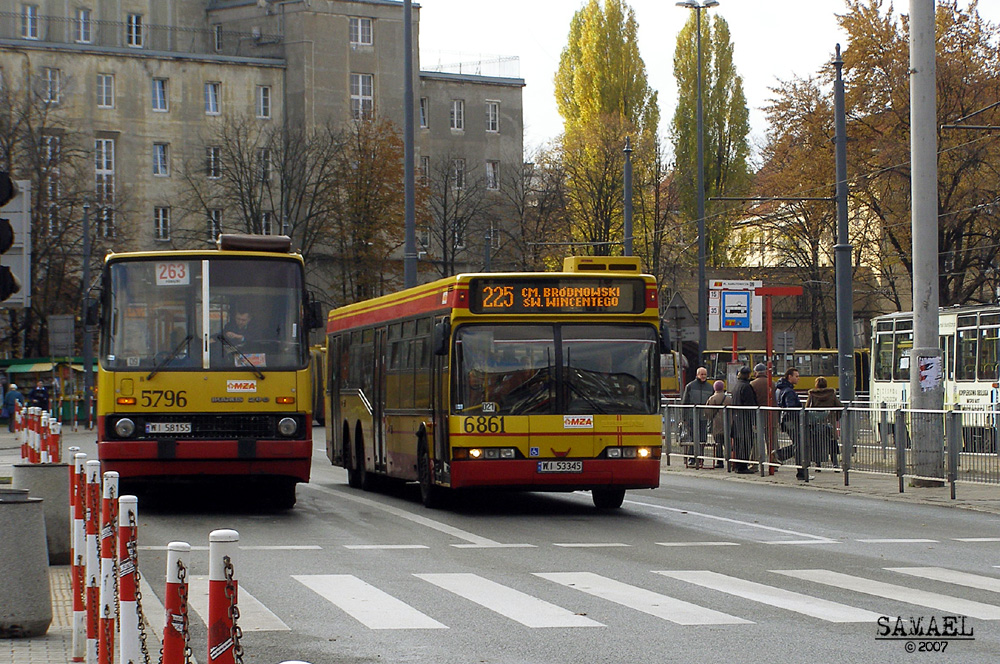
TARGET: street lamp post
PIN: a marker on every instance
(702, 280)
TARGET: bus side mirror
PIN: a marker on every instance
(91, 313)
(441, 337)
(314, 313)
(665, 345)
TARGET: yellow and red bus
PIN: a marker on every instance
(181, 395)
(529, 381)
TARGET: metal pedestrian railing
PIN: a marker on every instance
(947, 446)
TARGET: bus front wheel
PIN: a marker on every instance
(608, 499)
(431, 495)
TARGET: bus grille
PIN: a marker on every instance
(211, 426)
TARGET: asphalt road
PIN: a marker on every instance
(699, 570)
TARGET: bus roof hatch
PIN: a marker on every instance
(630, 264)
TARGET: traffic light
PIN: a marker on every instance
(9, 284)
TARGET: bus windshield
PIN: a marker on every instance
(162, 317)
(546, 369)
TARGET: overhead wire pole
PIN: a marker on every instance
(926, 387)
(702, 254)
(842, 250)
(409, 213)
(628, 197)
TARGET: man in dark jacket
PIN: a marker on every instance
(785, 396)
(696, 393)
(743, 420)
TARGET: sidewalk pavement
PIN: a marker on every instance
(56, 646)
(968, 495)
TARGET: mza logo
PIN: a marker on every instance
(241, 386)
(578, 421)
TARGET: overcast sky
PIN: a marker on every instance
(773, 40)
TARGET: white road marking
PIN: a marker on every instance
(366, 603)
(471, 538)
(978, 539)
(990, 583)
(640, 599)
(931, 600)
(805, 536)
(589, 545)
(698, 543)
(525, 609)
(367, 547)
(254, 616)
(778, 597)
(262, 547)
(897, 541)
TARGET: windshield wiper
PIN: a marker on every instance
(170, 357)
(250, 365)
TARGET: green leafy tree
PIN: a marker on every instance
(603, 96)
(726, 127)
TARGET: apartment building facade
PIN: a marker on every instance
(145, 86)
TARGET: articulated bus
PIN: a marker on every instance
(811, 365)
(183, 391)
(528, 381)
(969, 338)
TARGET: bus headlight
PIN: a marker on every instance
(287, 426)
(124, 428)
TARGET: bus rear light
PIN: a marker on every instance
(126, 401)
(285, 400)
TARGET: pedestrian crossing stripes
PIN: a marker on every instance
(930, 600)
(783, 599)
(655, 604)
(375, 608)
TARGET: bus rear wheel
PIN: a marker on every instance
(353, 476)
(365, 480)
(431, 495)
(608, 499)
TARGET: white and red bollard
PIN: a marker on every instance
(106, 618)
(43, 438)
(175, 604)
(78, 492)
(93, 571)
(128, 519)
(223, 631)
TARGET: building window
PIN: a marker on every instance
(160, 98)
(425, 169)
(263, 101)
(362, 96)
(133, 31)
(493, 116)
(214, 224)
(458, 173)
(161, 224)
(161, 164)
(361, 31)
(213, 161)
(457, 114)
(212, 93)
(83, 28)
(264, 163)
(424, 237)
(105, 91)
(104, 186)
(265, 222)
(424, 111)
(458, 233)
(218, 37)
(493, 175)
(29, 21)
(51, 76)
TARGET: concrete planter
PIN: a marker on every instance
(50, 482)
(25, 602)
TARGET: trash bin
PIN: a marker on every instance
(25, 601)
